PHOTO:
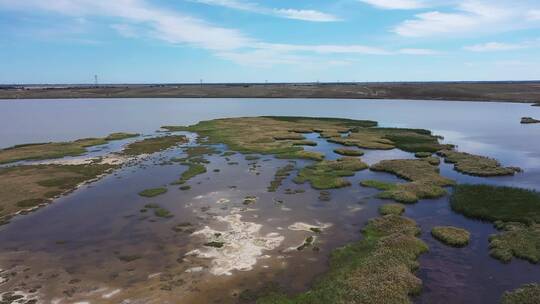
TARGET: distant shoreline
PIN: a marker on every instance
(519, 92)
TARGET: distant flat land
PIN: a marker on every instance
(527, 91)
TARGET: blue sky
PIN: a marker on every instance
(150, 41)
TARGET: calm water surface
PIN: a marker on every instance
(80, 235)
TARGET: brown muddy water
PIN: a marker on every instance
(96, 246)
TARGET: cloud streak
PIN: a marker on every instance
(288, 13)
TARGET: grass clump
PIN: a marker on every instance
(214, 244)
(121, 135)
(476, 165)
(153, 145)
(395, 209)
(281, 174)
(496, 203)
(422, 154)
(349, 152)
(526, 294)
(453, 236)
(304, 143)
(199, 151)
(407, 193)
(516, 240)
(193, 170)
(425, 182)
(153, 192)
(329, 174)
(376, 270)
(529, 120)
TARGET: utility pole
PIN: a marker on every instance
(95, 80)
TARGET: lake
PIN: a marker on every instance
(78, 248)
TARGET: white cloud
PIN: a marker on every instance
(396, 4)
(165, 25)
(472, 16)
(288, 13)
(418, 52)
(494, 47)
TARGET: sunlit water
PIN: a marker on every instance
(81, 235)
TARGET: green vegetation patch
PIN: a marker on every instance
(425, 180)
(516, 240)
(395, 209)
(23, 187)
(121, 135)
(493, 203)
(451, 236)
(304, 143)
(349, 152)
(378, 269)
(529, 120)
(423, 154)
(199, 151)
(329, 174)
(281, 174)
(526, 294)
(41, 151)
(162, 212)
(193, 170)
(270, 135)
(411, 140)
(153, 192)
(407, 193)
(154, 144)
(475, 164)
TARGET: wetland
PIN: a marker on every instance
(268, 201)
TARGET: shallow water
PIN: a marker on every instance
(82, 235)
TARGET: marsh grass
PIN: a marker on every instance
(425, 182)
(376, 270)
(348, 152)
(452, 236)
(497, 203)
(121, 135)
(529, 120)
(516, 240)
(153, 192)
(193, 170)
(329, 174)
(154, 144)
(526, 294)
(395, 209)
(476, 165)
(271, 135)
(281, 174)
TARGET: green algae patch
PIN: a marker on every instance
(496, 203)
(281, 174)
(378, 269)
(526, 294)
(162, 212)
(154, 144)
(395, 209)
(269, 135)
(476, 165)
(452, 236)
(153, 192)
(27, 187)
(516, 240)
(329, 174)
(348, 152)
